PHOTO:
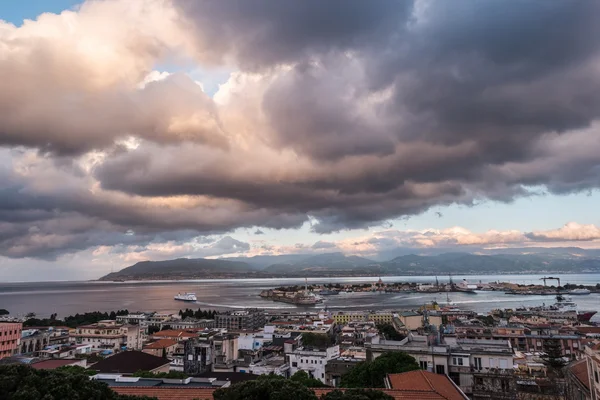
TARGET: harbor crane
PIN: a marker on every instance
(550, 278)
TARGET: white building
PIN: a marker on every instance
(109, 334)
(275, 365)
(312, 360)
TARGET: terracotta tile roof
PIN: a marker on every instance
(580, 370)
(429, 385)
(170, 333)
(53, 364)
(170, 393)
(161, 344)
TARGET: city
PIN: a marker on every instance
(505, 354)
(299, 199)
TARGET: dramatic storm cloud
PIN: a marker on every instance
(337, 114)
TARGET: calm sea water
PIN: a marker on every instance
(67, 298)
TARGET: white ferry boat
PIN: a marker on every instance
(186, 297)
(579, 292)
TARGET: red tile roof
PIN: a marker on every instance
(53, 364)
(161, 344)
(580, 370)
(429, 385)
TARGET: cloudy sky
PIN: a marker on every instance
(135, 130)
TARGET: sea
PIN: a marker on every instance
(68, 298)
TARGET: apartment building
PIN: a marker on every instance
(110, 335)
(244, 319)
(312, 360)
(10, 338)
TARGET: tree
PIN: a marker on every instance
(553, 357)
(302, 378)
(372, 374)
(21, 382)
(153, 329)
(310, 339)
(357, 394)
(4, 311)
(389, 332)
(265, 388)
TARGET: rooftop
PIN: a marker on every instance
(53, 364)
(161, 344)
(426, 385)
(129, 362)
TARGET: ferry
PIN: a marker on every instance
(186, 297)
(579, 292)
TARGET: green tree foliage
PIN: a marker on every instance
(4, 311)
(389, 332)
(73, 321)
(310, 339)
(302, 378)
(267, 388)
(160, 375)
(153, 329)
(357, 394)
(199, 313)
(372, 374)
(76, 370)
(553, 356)
(21, 382)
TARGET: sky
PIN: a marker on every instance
(153, 130)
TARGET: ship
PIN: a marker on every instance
(186, 297)
(579, 292)
(328, 292)
(564, 307)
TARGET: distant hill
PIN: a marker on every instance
(181, 268)
(262, 262)
(321, 262)
(465, 263)
(522, 261)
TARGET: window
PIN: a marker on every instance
(477, 362)
(440, 369)
(493, 363)
(503, 364)
(294, 364)
(596, 376)
(423, 365)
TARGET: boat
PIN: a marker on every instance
(328, 292)
(579, 292)
(585, 316)
(186, 297)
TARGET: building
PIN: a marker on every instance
(161, 348)
(178, 335)
(53, 364)
(33, 341)
(334, 369)
(275, 365)
(206, 385)
(312, 360)
(225, 352)
(10, 338)
(191, 323)
(132, 319)
(252, 319)
(466, 362)
(198, 356)
(109, 335)
(129, 362)
(427, 385)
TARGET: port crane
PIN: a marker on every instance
(550, 278)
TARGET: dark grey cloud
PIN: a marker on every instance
(321, 244)
(347, 114)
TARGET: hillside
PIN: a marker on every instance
(328, 262)
(181, 268)
(338, 264)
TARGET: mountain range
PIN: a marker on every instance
(417, 262)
